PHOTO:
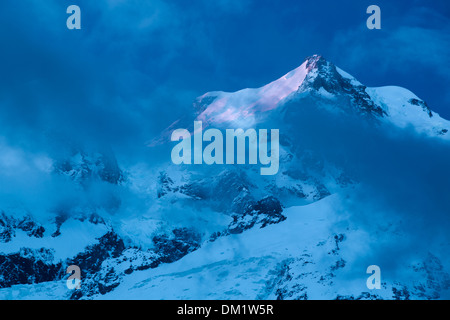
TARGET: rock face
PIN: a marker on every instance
(263, 212)
(28, 266)
(97, 279)
(323, 75)
(251, 236)
(83, 167)
(9, 224)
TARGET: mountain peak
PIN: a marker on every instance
(320, 70)
(315, 62)
(324, 74)
(317, 81)
(324, 78)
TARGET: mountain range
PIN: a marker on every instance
(362, 181)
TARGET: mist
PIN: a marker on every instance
(402, 179)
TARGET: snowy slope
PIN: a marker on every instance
(314, 255)
(211, 271)
(243, 106)
(405, 109)
(315, 244)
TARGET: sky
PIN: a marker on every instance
(137, 66)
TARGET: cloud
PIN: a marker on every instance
(135, 67)
(132, 69)
(396, 49)
(403, 182)
(410, 50)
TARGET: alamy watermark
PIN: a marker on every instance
(374, 21)
(238, 143)
(74, 20)
(74, 280)
(374, 281)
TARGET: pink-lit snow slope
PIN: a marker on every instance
(240, 107)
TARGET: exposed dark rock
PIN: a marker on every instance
(28, 266)
(89, 261)
(7, 231)
(9, 224)
(94, 279)
(165, 184)
(31, 227)
(422, 104)
(170, 249)
(82, 167)
(263, 212)
(323, 74)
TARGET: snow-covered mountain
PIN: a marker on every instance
(225, 231)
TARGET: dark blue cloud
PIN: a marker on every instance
(136, 66)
